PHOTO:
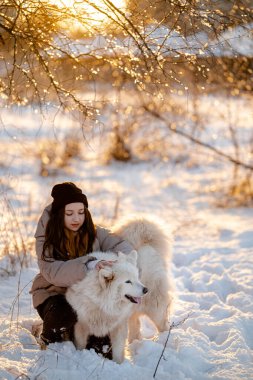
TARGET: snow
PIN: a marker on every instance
(235, 41)
(211, 333)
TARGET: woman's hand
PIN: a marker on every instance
(103, 264)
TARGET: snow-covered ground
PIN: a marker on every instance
(235, 41)
(211, 333)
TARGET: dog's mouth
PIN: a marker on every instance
(133, 299)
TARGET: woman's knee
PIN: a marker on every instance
(57, 313)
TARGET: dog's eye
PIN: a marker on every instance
(128, 282)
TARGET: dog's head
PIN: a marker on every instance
(122, 279)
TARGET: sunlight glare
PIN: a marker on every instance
(97, 11)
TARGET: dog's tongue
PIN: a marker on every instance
(137, 299)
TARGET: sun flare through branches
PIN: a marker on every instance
(97, 12)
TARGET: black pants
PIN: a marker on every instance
(59, 320)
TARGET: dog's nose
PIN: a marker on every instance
(145, 290)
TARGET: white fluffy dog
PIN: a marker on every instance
(109, 302)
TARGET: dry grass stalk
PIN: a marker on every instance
(55, 155)
(13, 247)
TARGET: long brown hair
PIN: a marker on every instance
(61, 244)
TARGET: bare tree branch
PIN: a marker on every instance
(196, 141)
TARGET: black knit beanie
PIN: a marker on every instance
(65, 193)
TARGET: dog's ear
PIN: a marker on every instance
(121, 255)
(105, 276)
(132, 257)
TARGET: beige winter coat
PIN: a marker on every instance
(55, 275)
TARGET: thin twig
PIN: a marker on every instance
(165, 344)
(172, 326)
(197, 141)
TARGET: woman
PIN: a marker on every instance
(65, 235)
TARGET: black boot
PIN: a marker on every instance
(58, 319)
(102, 345)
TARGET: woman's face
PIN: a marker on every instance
(74, 216)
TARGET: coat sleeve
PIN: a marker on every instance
(109, 241)
(56, 272)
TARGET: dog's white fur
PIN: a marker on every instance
(100, 298)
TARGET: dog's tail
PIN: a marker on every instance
(142, 231)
